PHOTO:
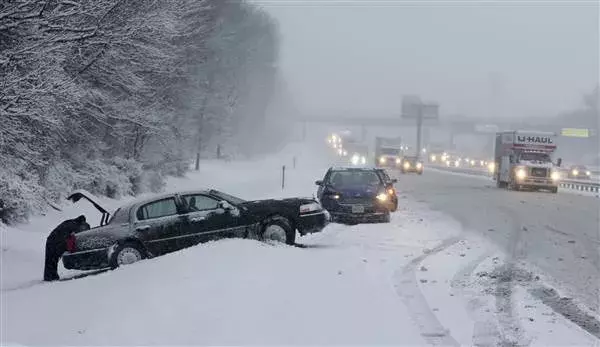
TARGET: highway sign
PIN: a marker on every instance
(574, 132)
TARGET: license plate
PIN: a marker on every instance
(358, 209)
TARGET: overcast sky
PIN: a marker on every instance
(363, 55)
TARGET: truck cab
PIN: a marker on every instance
(523, 160)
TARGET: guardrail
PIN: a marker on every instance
(591, 185)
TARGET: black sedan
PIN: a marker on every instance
(411, 164)
(147, 228)
(353, 195)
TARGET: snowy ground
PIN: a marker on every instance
(418, 280)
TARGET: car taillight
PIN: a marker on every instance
(71, 243)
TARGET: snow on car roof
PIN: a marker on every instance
(351, 168)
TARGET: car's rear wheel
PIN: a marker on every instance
(278, 229)
(125, 254)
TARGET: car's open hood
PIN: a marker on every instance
(82, 193)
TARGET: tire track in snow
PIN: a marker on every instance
(485, 330)
(408, 289)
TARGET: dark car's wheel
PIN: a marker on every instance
(394, 206)
(125, 254)
(386, 218)
(278, 229)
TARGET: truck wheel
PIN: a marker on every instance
(554, 190)
(278, 229)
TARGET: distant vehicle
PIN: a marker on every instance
(357, 153)
(388, 152)
(411, 164)
(151, 227)
(353, 195)
(523, 159)
(579, 172)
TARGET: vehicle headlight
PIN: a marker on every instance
(482, 163)
(345, 153)
(447, 162)
(492, 166)
(363, 160)
(457, 163)
(355, 159)
(472, 162)
(555, 175)
(398, 160)
(575, 172)
(382, 197)
(406, 165)
(419, 165)
(433, 158)
(588, 173)
(312, 207)
(340, 152)
(382, 160)
(521, 174)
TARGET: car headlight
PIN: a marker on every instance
(588, 173)
(492, 166)
(363, 160)
(457, 163)
(555, 175)
(382, 197)
(355, 159)
(406, 165)
(382, 160)
(312, 207)
(433, 158)
(398, 160)
(345, 153)
(419, 165)
(575, 172)
(521, 174)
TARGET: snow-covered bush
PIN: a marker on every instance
(117, 103)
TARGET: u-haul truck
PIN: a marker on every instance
(523, 159)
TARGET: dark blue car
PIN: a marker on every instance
(354, 195)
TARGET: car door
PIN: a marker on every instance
(207, 220)
(322, 186)
(159, 225)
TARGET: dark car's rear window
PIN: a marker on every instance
(119, 216)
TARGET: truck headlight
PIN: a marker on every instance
(555, 175)
(419, 165)
(521, 174)
(492, 167)
(382, 160)
(588, 173)
(398, 160)
(355, 159)
(382, 197)
(406, 165)
(363, 160)
(312, 207)
(575, 172)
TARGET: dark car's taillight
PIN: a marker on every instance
(71, 243)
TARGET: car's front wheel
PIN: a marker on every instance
(125, 254)
(386, 218)
(278, 229)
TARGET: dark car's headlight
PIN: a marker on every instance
(311, 207)
(382, 197)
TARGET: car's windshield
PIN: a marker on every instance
(341, 179)
(230, 198)
(411, 159)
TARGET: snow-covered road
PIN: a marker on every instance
(419, 280)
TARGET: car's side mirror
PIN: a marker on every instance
(558, 162)
(225, 205)
(319, 183)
